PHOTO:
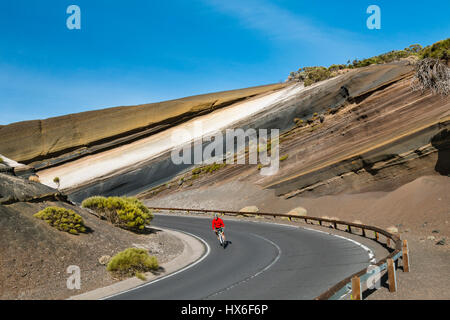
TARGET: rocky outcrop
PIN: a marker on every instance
(377, 140)
(370, 125)
(383, 168)
(332, 94)
(15, 189)
(56, 140)
(378, 135)
(6, 169)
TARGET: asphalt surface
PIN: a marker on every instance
(261, 261)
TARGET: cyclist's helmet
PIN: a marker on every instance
(216, 215)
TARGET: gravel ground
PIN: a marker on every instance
(34, 262)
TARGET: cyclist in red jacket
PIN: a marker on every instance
(218, 225)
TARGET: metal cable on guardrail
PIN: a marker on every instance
(352, 283)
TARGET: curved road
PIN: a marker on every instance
(263, 261)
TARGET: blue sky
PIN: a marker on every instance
(133, 52)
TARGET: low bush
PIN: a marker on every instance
(439, 50)
(56, 181)
(336, 67)
(132, 261)
(62, 219)
(315, 74)
(208, 168)
(309, 75)
(1, 160)
(126, 212)
(284, 157)
(298, 121)
(141, 276)
(196, 170)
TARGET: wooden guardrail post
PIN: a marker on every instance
(391, 275)
(356, 289)
(355, 281)
(405, 256)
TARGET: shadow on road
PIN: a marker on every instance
(226, 244)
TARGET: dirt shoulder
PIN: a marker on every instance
(35, 256)
(193, 250)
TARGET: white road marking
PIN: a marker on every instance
(372, 259)
(256, 274)
(208, 250)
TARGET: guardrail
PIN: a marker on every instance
(352, 283)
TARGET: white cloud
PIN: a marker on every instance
(279, 24)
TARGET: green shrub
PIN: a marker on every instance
(141, 276)
(132, 261)
(125, 212)
(57, 181)
(387, 57)
(309, 75)
(315, 74)
(1, 160)
(284, 157)
(214, 167)
(336, 67)
(414, 48)
(62, 219)
(439, 50)
(207, 169)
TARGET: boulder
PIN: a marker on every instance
(24, 171)
(299, 211)
(104, 259)
(6, 169)
(249, 209)
(392, 230)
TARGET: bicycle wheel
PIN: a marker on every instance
(221, 239)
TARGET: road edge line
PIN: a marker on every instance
(134, 283)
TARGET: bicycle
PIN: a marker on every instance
(220, 234)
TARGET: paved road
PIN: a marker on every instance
(263, 261)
